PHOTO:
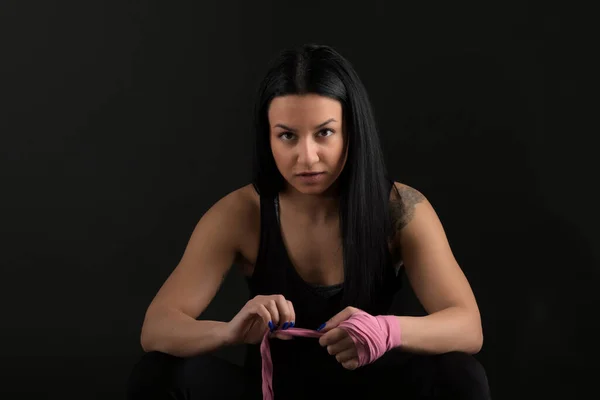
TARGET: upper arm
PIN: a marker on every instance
(431, 267)
(209, 254)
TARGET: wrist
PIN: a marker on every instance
(391, 325)
(225, 334)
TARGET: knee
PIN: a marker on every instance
(163, 376)
(461, 374)
(154, 376)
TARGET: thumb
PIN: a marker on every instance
(338, 319)
(281, 335)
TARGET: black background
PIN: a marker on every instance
(123, 122)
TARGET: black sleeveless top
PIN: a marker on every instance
(274, 273)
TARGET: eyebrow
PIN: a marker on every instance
(316, 127)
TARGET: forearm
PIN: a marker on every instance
(175, 333)
(452, 329)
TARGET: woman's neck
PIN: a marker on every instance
(312, 208)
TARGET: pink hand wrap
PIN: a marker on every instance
(373, 336)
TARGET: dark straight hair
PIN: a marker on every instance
(365, 222)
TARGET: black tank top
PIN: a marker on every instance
(274, 273)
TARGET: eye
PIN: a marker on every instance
(287, 136)
(327, 130)
(284, 134)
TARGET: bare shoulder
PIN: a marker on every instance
(245, 199)
(242, 207)
(220, 238)
(245, 208)
(403, 204)
(233, 217)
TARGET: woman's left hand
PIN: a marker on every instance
(337, 340)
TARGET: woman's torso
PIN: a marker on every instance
(314, 251)
(304, 263)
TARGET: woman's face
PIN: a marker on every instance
(306, 138)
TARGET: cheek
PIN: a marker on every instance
(275, 149)
(280, 154)
(339, 152)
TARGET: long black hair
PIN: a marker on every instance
(365, 222)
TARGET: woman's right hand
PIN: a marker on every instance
(257, 316)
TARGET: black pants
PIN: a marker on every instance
(395, 375)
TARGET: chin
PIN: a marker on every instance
(316, 189)
(312, 190)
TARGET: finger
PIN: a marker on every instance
(263, 313)
(333, 336)
(341, 346)
(271, 306)
(281, 335)
(292, 312)
(283, 308)
(347, 355)
(339, 318)
(351, 364)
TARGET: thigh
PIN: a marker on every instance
(411, 376)
(162, 376)
(452, 375)
(460, 375)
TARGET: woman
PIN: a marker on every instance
(321, 234)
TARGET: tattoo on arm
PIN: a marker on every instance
(403, 209)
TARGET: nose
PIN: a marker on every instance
(308, 152)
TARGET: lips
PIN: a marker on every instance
(310, 173)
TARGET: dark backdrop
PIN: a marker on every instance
(123, 122)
